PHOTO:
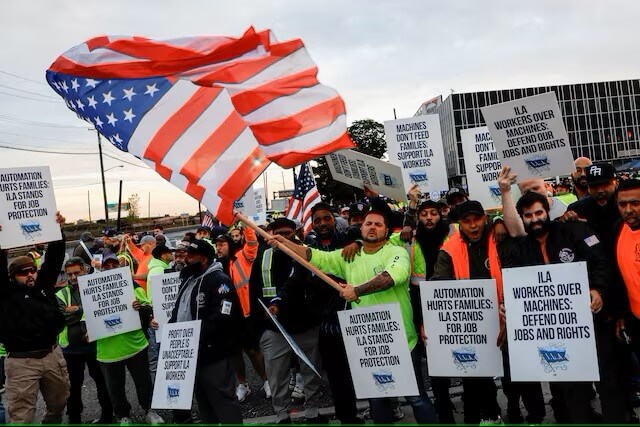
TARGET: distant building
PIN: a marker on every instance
(602, 119)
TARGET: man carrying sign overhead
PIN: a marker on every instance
(30, 323)
(379, 275)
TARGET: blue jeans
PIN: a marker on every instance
(423, 410)
(154, 352)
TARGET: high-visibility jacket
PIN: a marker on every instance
(65, 295)
(457, 249)
(240, 268)
(418, 264)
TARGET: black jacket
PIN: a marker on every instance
(209, 301)
(478, 260)
(295, 293)
(566, 242)
(29, 316)
(600, 218)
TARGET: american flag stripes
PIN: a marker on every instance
(305, 196)
(208, 113)
(207, 220)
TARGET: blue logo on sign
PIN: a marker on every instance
(465, 358)
(112, 323)
(538, 163)
(495, 193)
(388, 180)
(554, 357)
(418, 176)
(31, 229)
(173, 393)
(384, 380)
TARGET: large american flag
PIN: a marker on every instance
(208, 113)
(305, 196)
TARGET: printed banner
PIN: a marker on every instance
(107, 299)
(177, 361)
(415, 144)
(483, 167)
(462, 325)
(549, 323)
(28, 207)
(246, 204)
(530, 137)
(378, 352)
(358, 170)
(164, 291)
(259, 200)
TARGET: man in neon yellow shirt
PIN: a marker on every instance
(379, 275)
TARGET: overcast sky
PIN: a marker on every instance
(379, 55)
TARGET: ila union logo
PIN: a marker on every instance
(538, 163)
(384, 380)
(113, 323)
(465, 358)
(554, 358)
(31, 229)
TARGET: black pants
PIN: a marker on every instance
(530, 392)
(480, 397)
(335, 363)
(215, 390)
(75, 365)
(114, 374)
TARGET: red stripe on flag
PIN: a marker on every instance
(164, 171)
(291, 159)
(254, 98)
(246, 69)
(213, 147)
(225, 212)
(175, 126)
(316, 117)
(195, 190)
(246, 173)
(97, 42)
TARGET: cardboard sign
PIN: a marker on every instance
(530, 137)
(549, 323)
(27, 207)
(358, 170)
(177, 361)
(483, 167)
(462, 325)
(415, 144)
(246, 204)
(107, 299)
(378, 352)
(164, 291)
(294, 346)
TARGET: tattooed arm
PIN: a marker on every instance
(381, 282)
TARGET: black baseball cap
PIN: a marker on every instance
(159, 250)
(203, 228)
(201, 247)
(600, 173)
(281, 222)
(87, 237)
(358, 209)
(470, 206)
(455, 192)
(428, 204)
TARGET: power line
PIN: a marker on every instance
(45, 138)
(30, 99)
(29, 92)
(23, 78)
(18, 120)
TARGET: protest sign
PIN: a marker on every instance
(260, 216)
(378, 352)
(358, 170)
(28, 207)
(294, 346)
(107, 298)
(164, 291)
(246, 204)
(549, 323)
(177, 363)
(462, 325)
(483, 167)
(415, 144)
(530, 137)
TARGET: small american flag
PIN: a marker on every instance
(207, 220)
(208, 113)
(305, 196)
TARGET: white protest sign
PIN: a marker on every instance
(294, 346)
(246, 204)
(415, 144)
(462, 325)
(177, 361)
(28, 207)
(358, 170)
(549, 323)
(260, 216)
(164, 289)
(378, 352)
(107, 299)
(530, 137)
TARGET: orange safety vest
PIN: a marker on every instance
(240, 269)
(456, 247)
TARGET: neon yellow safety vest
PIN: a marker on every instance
(268, 290)
(65, 295)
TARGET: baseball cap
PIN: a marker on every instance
(224, 238)
(21, 263)
(358, 209)
(159, 250)
(470, 206)
(455, 192)
(600, 173)
(201, 247)
(428, 204)
(109, 232)
(204, 228)
(281, 222)
(87, 237)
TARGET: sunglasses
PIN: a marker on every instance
(27, 271)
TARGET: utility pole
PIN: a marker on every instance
(104, 186)
(89, 204)
(149, 206)
(119, 206)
